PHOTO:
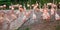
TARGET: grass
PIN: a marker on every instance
(27, 29)
(23, 29)
(58, 27)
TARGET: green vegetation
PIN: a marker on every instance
(58, 27)
(30, 2)
(27, 28)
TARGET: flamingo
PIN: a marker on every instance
(12, 14)
(57, 17)
(52, 11)
(27, 15)
(34, 15)
(1, 20)
(7, 17)
(45, 15)
(35, 8)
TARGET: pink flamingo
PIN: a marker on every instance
(57, 17)
(46, 15)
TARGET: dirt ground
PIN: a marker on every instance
(41, 26)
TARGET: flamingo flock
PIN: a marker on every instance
(11, 15)
(45, 14)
